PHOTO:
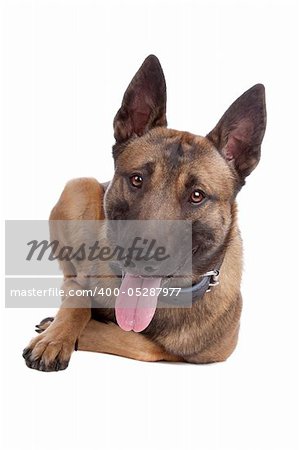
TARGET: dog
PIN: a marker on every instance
(162, 174)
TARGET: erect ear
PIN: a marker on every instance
(144, 102)
(239, 133)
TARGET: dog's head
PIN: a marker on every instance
(163, 174)
(166, 174)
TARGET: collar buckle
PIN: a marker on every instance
(214, 278)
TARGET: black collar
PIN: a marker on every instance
(205, 284)
(192, 294)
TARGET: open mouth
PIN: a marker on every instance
(148, 274)
(139, 292)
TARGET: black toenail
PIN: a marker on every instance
(26, 352)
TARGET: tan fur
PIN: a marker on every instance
(172, 166)
(82, 199)
(109, 338)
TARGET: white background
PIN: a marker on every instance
(65, 66)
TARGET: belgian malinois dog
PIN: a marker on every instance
(162, 174)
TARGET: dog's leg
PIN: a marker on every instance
(110, 338)
(51, 350)
(44, 324)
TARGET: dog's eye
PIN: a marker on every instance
(197, 197)
(136, 181)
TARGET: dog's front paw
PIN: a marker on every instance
(44, 324)
(49, 352)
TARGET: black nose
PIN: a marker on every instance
(151, 269)
(144, 266)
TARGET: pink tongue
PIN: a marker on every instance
(134, 311)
